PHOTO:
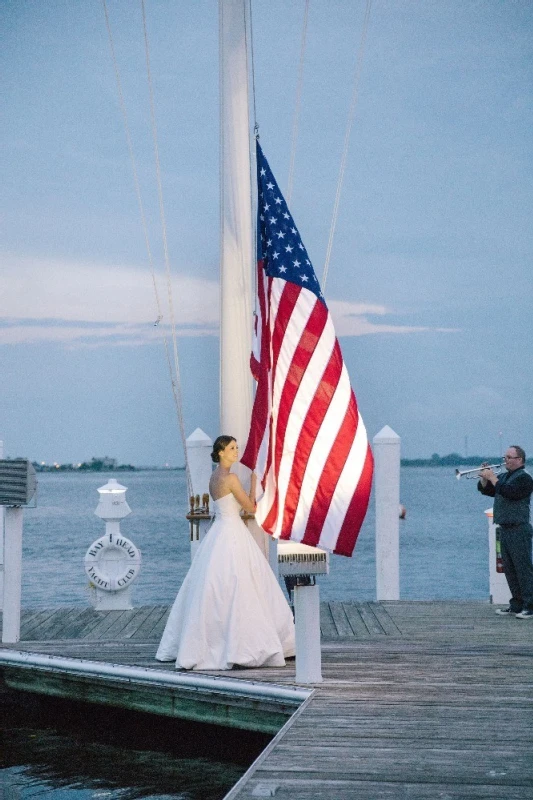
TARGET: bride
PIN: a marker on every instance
(230, 609)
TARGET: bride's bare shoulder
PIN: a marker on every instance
(221, 485)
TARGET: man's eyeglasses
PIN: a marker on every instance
(508, 458)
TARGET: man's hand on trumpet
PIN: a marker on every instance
(487, 475)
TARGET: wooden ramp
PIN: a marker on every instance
(419, 700)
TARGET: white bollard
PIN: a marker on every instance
(199, 447)
(2, 515)
(112, 562)
(387, 493)
(307, 624)
(498, 587)
(13, 575)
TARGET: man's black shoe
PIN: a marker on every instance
(505, 612)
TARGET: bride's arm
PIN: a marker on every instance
(239, 494)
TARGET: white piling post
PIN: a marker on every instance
(2, 515)
(307, 626)
(13, 575)
(387, 493)
(498, 587)
(199, 447)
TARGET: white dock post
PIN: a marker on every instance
(13, 575)
(112, 562)
(307, 624)
(199, 447)
(498, 587)
(2, 515)
(387, 493)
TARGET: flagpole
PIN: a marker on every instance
(236, 257)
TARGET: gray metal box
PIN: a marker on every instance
(18, 482)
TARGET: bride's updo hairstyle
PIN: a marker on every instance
(221, 442)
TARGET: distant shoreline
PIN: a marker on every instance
(119, 468)
(97, 465)
(454, 460)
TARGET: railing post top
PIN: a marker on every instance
(199, 438)
(386, 436)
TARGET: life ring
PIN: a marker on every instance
(125, 552)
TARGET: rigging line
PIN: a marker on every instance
(250, 68)
(297, 107)
(355, 94)
(133, 163)
(248, 3)
(141, 209)
(176, 384)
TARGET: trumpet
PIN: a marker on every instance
(469, 474)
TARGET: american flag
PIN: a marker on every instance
(307, 441)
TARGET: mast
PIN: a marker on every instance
(236, 256)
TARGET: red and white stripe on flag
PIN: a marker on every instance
(307, 441)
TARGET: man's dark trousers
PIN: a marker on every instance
(515, 543)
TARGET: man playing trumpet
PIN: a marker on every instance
(512, 493)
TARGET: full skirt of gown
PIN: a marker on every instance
(230, 609)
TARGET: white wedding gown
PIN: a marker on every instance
(230, 609)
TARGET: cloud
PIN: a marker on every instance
(94, 304)
(351, 319)
(91, 305)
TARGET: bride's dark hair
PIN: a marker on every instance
(221, 442)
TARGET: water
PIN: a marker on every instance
(443, 540)
(62, 750)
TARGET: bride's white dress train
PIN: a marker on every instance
(230, 609)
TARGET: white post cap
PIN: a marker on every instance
(386, 436)
(112, 487)
(199, 439)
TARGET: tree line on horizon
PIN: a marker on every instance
(453, 460)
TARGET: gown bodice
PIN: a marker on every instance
(226, 507)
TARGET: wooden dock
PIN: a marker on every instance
(420, 700)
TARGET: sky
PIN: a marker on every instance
(429, 282)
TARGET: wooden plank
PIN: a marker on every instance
(135, 623)
(47, 626)
(344, 629)
(39, 619)
(78, 625)
(60, 620)
(106, 619)
(159, 627)
(370, 620)
(356, 623)
(384, 619)
(147, 627)
(498, 765)
(299, 788)
(27, 615)
(327, 624)
(114, 631)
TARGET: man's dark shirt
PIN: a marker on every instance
(512, 494)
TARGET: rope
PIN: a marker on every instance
(175, 389)
(176, 382)
(355, 93)
(134, 165)
(250, 68)
(297, 107)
